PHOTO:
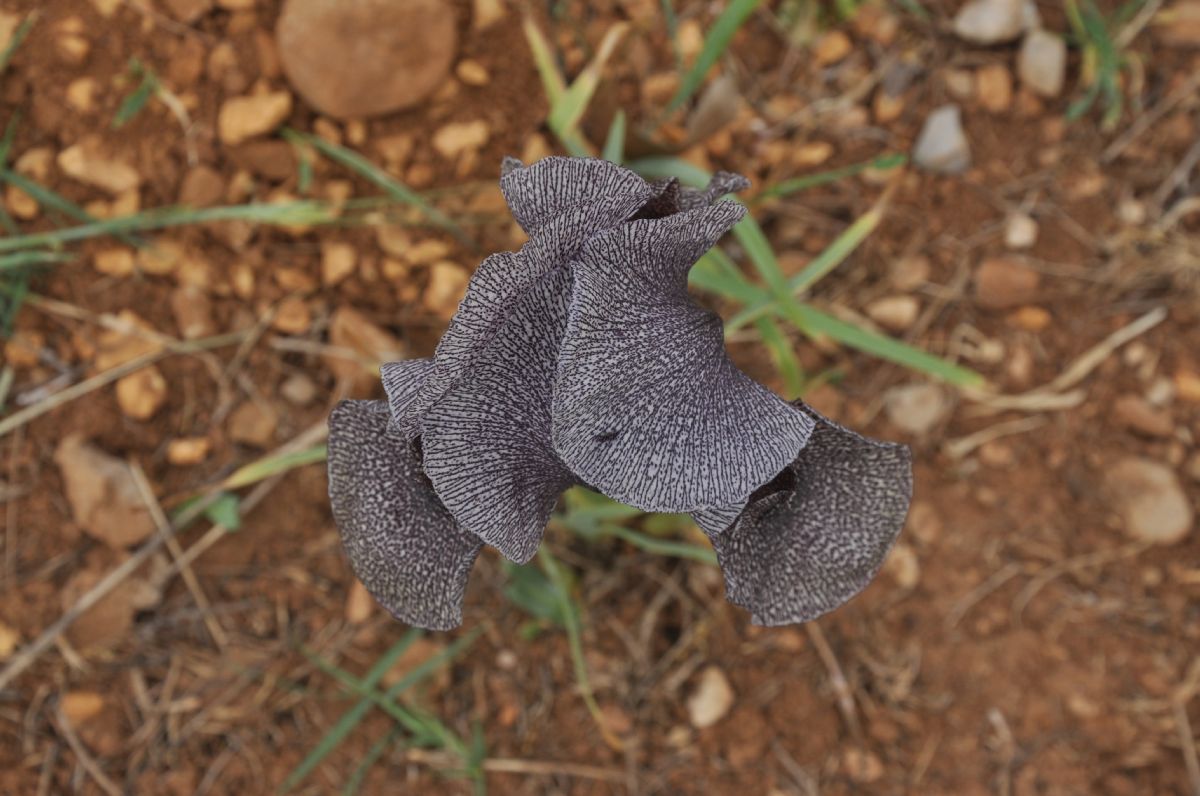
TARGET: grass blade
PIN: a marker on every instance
(349, 159)
(568, 109)
(715, 44)
(351, 718)
(809, 181)
(782, 356)
(18, 36)
(354, 784)
(56, 201)
(660, 547)
(543, 59)
(33, 258)
(717, 273)
(132, 105)
(813, 322)
(614, 142)
(273, 465)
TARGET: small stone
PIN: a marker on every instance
(862, 766)
(350, 329)
(292, 316)
(426, 252)
(72, 46)
(1179, 24)
(188, 11)
(193, 312)
(1136, 414)
(909, 273)
(894, 313)
(354, 59)
(1131, 212)
(359, 603)
(831, 48)
(458, 138)
(253, 424)
(1042, 63)
(903, 566)
(990, 22)
(338, 261)
(24, 349)
(188, 451)
(916, 408)
(1031, 319)
(202, 187)
(960, 83)
(243, 118)
(1001, 283)
(1187, 386)
(711, 700)
(298, 390)
(86, 163)
(142, 393)
(942, 145)
(994, 85)
(814, 153)
(1020, 232)
(10, 639)
(103, 495)
(118, 346)
(924, 522)
(486, 13)
(21, 204)
(81, 94)
(1150, 500)
(80, 706)
(447, 283)
(472, 73)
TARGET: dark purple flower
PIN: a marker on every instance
(581, 359)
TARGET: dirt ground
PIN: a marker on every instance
(1031, 634)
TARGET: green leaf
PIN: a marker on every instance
(809, 181)
(715, 44)
(132, 105)
(226, 510)
(532, 591)
(614, 142)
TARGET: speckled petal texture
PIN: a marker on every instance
(581, 359)
(402, 543)
(487, 441)
(648, 408)
(819, 533)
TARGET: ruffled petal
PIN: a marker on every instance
(716, 519)
(402, 544)
(403, 382)
(539, 192)
(670, 197)
(648, 407)
(487, 440)
(819, 533)
(503, 279)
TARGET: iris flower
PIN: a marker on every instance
(582, 360)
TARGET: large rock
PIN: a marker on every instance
(358, 58)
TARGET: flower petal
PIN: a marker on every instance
(403, 381)
(819, 533)
(648, 407)
(402, 544)
(499, 283)
(539, 192)
(487, 441)
(671, 197)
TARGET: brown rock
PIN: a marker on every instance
(102, 493)
(109, 620)
(187, 451)
(1136, 414)
(243, 118)
(253, 424)
(994, 85)
(117, 346)
(916, 408)
(359, 603)
(1150, 500)
(87, 163)
(894, 313)
(114, 262)
(1002, 283)
(472, 73)
(909, 273)
(161, 257)
(457, 138)
(188, 11)
(24, 349)
(447, 283)
(292, 316)
(711, 700)
(350, 329)
(202, 187)
(193, 312)
(338, 261)
(298, 390)
(831, 48)
(80, 706)
(272, 160)
(1179, 24)
(361, 58)
(487, 13)
(142, 393)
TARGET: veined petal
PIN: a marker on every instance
(539, 192)
(403, 382)
(648, 407)
(820, 532)
(670, 197)
(487, 440)
(402, 543)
